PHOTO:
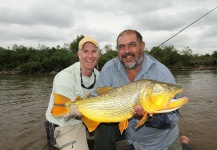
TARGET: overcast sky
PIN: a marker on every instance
(55, 22)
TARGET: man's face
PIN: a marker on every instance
(130, 51)
(88, 56)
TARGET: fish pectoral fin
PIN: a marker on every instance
(59, 110)
(103, 90)
(79, 98)
(91, 125)
(123, 126)
(142, 121)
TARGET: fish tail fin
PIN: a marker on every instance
(59, 111)
(60, 99)
(61, 105)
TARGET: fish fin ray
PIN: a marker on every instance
(103, 90)
(91, 125)
(142, 121)
(79, 98)
(87, 95)
(60, 99)
(59, 111)
(123, 126)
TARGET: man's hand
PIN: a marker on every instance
(74, 111)
(139, 111)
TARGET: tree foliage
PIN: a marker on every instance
(74, 45)
(43, 59)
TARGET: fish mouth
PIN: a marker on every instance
(174, 104)
(177, 99)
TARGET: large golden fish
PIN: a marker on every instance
(117, 104)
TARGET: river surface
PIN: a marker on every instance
(24, 100)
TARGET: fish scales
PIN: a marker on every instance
(116, 105)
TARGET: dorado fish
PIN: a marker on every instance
(117, 104)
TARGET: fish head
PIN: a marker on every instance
(156, 96)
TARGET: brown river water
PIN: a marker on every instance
(24, 100)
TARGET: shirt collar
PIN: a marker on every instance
(147, 63)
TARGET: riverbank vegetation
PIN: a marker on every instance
(43, 59)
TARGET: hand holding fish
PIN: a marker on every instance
(74, 111)
(70, 110)
(73, 108)
(139, 111)
(142, 98)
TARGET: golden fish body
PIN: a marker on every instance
(117, 104)
(114, 106)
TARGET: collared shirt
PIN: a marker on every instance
(113, 74)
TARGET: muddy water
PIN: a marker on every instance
(24, 99)
(23, 102)
(199, 120)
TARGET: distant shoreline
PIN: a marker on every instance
(196, 68)
(201, 68)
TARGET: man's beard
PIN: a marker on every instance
(137, 62)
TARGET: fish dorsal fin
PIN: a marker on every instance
(88, 95)
(103, 90)
(123, 126)
(91, 125)
(142, 121)
(78, 98)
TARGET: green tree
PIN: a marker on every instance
(6, 59)
(214, 56)
(167, 55)
(106, 57)
(44, 59)
(74, 44)
(187, 57)
(31, 68)
(107, 48)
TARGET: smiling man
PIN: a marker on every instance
(161, 131)
(76, 80)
